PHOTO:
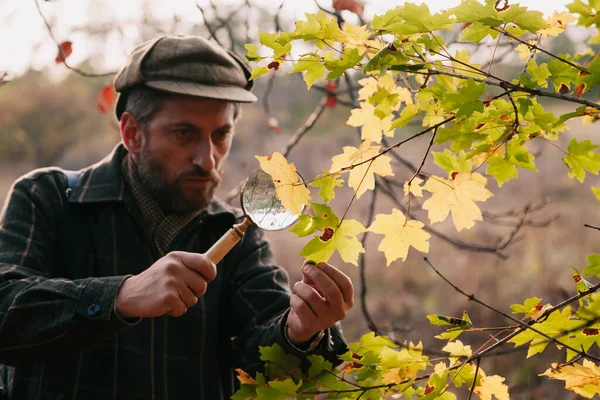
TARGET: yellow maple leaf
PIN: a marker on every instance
(362, 177)
(373, 127)
(399, 235)
(557, 23)
(386, 82)
(293, 195)
(524, 51)
(459, 196)
(492, 385)
(414, 188)
(358, 37)
(458, 349)
(581, 379)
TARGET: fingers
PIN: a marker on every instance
(341, 280)
(302, 309)
(197, 262)
(313, 301)
(326, 284)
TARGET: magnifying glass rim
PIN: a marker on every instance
(296, 217)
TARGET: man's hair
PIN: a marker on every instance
(143, 102)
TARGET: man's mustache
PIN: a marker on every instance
(202, 174)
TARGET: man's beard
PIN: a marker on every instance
(168, 194)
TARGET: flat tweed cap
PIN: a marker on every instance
(188, 65)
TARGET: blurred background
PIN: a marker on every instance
(50, 115)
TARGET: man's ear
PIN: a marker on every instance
(131, 134)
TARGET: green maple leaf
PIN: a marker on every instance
(407, 114)
(581, 158)
(276, 355)
(594, 265)
(319, 28)
(271, 40)
(501, 169)
(279, 390)
(474, 11)
(529, 20)
(327, 182)
(371, 343)
(318, 364)
(593, 79)
(457, 325)
(252, 50)
(554, 326)
(476, 32)
(452, 163)
(350, 57)
(561, 73)
(539, 73)
(419, 19)
(583, 339)
(525, 307)
(258, 71)
(324, 217)
(466, 101)
(313, 65)
(343, 240)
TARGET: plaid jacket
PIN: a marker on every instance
(62, 260)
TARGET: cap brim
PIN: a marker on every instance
(229, 93)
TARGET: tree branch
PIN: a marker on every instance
(62, 54)
(524, 326)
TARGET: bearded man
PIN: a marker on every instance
(105, 291)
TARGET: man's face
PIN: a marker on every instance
(183, 150)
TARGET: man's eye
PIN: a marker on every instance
(222, 135)
(183, 132)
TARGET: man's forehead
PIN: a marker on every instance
(195, 109)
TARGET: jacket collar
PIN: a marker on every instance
(103, 182)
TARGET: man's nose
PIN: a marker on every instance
(204, 156)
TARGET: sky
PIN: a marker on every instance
(24, 39)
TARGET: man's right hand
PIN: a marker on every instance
(170, 286)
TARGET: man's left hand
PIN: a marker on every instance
(320, 300)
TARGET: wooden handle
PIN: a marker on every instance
(228, 240)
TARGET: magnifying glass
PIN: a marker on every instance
(261, 207)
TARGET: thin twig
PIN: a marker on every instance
(211, 30)
(477, 360)
(524, 325)
(590, 226)
(300, 132)
(362, 267)
(533, 46)
(517, 88)
(62, 55)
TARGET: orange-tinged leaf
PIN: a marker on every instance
(244, 377)
(583, 379)
(293, 195)
(399, 235)
(106, 98)
(362, 177)
(66, 48)
(354, 6)
(459, 196)
(579, 90)
(273, 125)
